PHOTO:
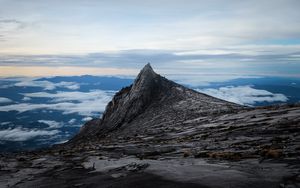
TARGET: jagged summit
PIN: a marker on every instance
(145, 81)
(147, 70)
(146, 73)
(150, 94)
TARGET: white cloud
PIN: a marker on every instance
(87, 103)
(52, 124)
(68, 85)
(18, 134)
(5, 123)
(241, 60)
(31, 83)
(5, 86)
(205, 79)
(61, 96)
(72, 121)
(245, 95)
(26, 99)
(47, 85)
(72, 27)
(87, 119)
(5, 100)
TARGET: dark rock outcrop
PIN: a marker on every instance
(151, 94)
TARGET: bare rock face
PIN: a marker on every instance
(132, 101)
(150, 94)
(155, 116)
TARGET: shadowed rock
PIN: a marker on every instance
(150, 93)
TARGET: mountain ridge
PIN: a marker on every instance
(147, 89)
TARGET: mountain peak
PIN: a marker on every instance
(147, 67)
(146, 73)
(145, 80)
(128, 102)
(152, 93)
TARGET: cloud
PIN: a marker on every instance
(68, 85)
(241, 60)
(205, 79)
(30, 83)
(10, 25)
(15, 23)
(87, 119)
(5, 123)
(73, 96)
(244, 95)
(19, 134)
(9, 28)
(79, 27)
(5, 100)
(72, 121)
(5, 86)
(83, 103)
(47, 85)
(51, 124)
(26, 99)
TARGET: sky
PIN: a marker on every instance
(227, 38)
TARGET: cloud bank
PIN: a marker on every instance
(244, 95)
(19, 134)
(83, 103)
(86, 119)
(5, 100)
(239, 61)
(47, 85)
(51, 124)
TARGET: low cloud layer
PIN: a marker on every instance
(51, 124)
(19, 134)
(72, 96)
(83, 103)
(244, 95)
(86, 119)
(5, 100)
(72, 121)
(47, 85)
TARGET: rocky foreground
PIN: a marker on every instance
(157, 133)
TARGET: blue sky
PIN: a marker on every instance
(232, 38)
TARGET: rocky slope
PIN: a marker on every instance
(152, 97)
(156, 133)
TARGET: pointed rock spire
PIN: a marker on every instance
(145, 80)
(147, 68)
(146, 73)
(131, 101)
